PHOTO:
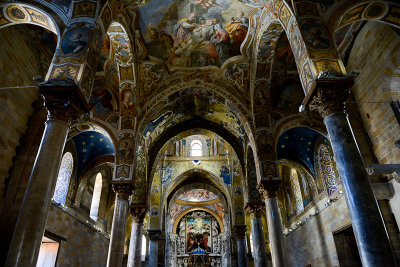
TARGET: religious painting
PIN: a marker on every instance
(261, 96)
(75, 41)
(316, 36)
(17, 13)
(194, 33)
(125, 149)
(84, 9)
(198, 234)
(264, 145)
(100, 102)
(269, 169)
(225, 174)
(291, 97)
(87, 81)
(167, 174)
(121, 172)
(197, 195)
(122, 47)
(154, 211)
(329, 65)
(159, 121)
(128, 99)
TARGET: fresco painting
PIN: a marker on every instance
(75, 41)
(194, 33)
(197, 195)
(100, 102)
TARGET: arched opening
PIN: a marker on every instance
(94, 207)
(64, 176)
(196, 148)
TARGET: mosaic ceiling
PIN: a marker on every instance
(89, 146)
(298, 144)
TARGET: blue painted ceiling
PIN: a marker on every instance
(89, 146)
(298, 144)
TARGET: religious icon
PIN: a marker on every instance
(75, 41)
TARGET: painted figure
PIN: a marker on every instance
(237, 28)
(184, 28)
(225, 174)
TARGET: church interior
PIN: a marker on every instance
(200, 133)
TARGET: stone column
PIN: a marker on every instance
(240, 234)
(116, 247)
(259, 251)
(269, 188)
(371, 236)
(64, 104)
(135, 246)
(154, 236)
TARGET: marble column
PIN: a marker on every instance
(371, 236)
(154, 236)
(64, 104)
(240, 234)
(135, 246)
(259, 250)
(116, 247)
(269, 189)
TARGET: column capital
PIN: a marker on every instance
(123, 190)
(330, 95)
(269, 188)
(240, 231)
(154, 234)
(138, 212)
(63, 101)
(255, 209)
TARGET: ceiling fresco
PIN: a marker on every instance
(197, 195)
(194, 33)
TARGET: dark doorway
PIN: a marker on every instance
(346, 248)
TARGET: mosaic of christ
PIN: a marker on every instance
(194, 33)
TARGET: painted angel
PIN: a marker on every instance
(206, 4)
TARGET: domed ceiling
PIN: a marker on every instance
(195, 33)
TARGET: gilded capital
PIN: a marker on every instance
(138, 212)
(123, 190)
(255, 209)
(63, 101)
(330, 96)
(269, 188)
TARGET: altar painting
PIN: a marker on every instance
(194, 33)
(198, 234)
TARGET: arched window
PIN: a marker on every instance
(196, 148)
(94, 207)
(144, 246)
(326, 169)
(64, 175)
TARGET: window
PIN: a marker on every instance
(48, 253)
(64, 175)
(196, 148)
(94, 207)
(144, 245)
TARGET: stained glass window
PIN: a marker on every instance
(326, 169)
(294, 181)
(64, 175)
